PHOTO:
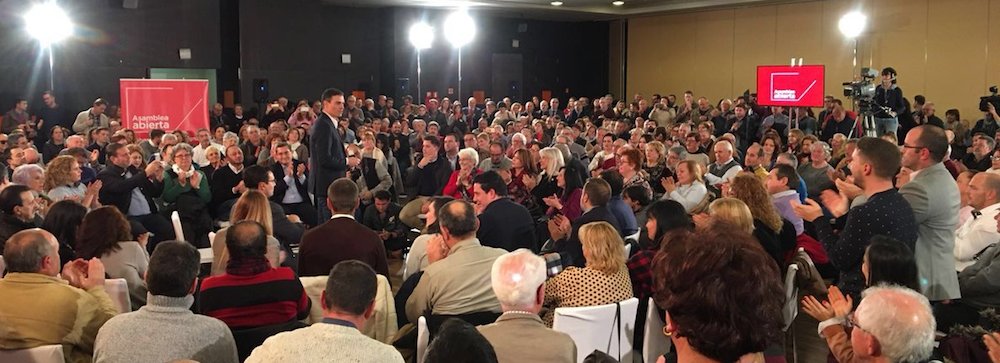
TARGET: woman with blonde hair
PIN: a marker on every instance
(689, 189)
(62, 181)
(603, 280)
(736, 213)
(252, 205)
(551, 161)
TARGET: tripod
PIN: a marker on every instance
(867, 121)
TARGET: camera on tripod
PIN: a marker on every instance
(862, 91)
(992, 98)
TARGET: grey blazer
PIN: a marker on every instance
(933, 195)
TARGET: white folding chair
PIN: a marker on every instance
(175, 219)
(654, 343)
(628, 250)
(43, 354)
(382, 324)
(118, 290)
(211, 239)
(634, 236)
(791, 308)
(423, 338)
(593, 327)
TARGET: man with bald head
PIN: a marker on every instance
(518, 280)
(725, 166)
(978, 232)
(933, 195)
(40, 308)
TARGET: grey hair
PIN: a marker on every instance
(516, 277)
(564, 150)
(468, 153)
(901, 320)
(824, 145)
(792, 160)
(680, 151)
(178, 147)
(168, 137)
(231, 135)
(22, 174)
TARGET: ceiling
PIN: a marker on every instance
(570, 10)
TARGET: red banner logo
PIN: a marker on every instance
(168, 105)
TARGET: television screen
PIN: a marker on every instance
(790, 86)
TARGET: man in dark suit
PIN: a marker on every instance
(287, 230)
(132, 190)
(290, 188)
(341, 238)
(327, 162)
(227, 183)
(565, 234)
(502, 223)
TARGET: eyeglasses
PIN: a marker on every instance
(852, 321)
(905, 146)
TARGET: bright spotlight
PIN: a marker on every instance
(459, 28)
(852, 24)
(48, 23)
(421, 36)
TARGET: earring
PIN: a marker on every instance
(667, 332)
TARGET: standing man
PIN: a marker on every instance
(91, 118)
(16, 117)
(50, 115)
(327, 162)
(933, 195)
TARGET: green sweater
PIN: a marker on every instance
(173, 189)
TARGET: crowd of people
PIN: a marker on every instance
(500, 212)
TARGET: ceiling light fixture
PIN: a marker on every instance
(556, 3)
(618, 3)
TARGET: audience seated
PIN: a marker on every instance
(662, 217)
(288, 230)
(165, 329)
(383, 218)
(502, 223)
(62, 220)
(104, 233)
(697, 282)
(457, 279)
(290, 189)
(567, 203)
(348, 302)
(17, 212)
(733, 212)
(416, 260)
(459, 342)
(63, 180)
(781, 182)
(252, 206)
(603, 280)
(227, 182)
(565, 233)
(43, 308)
(978, 286)
(979, 231)
(132, 189)
(749, 189)
(627, 225)
(252, 293)
(186, 190)
(341, 238)
(518, 279)
(460, 184)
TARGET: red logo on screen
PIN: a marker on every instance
(790, 86)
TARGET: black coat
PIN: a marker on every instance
(117, 189)
(280, 186)
(508, 225)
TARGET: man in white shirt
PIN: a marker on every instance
(725, 166)
(204, 142)
(978, 232)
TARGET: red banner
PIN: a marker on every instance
(166, 104)
(790, 86)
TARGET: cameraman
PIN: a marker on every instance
(989, 123)
(889, 97)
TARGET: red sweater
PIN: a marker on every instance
(272, 297)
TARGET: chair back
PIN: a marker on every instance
(654, 343)
(3, 267)
(791, 308)
(43, 354)
(118, 290)
(381, 326)
(248, 339)
(596, 327)
(423, 338)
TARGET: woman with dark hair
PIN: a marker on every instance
(662, 217)
(107, 235)
(732, 277)
(521, 169)
(567, 204)
(56, 143)
(889, 261)
(459, 342)
(63, 220)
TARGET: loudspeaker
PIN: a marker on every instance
(260, 90)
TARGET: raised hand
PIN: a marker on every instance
(818, 310)
(809, 211)
(836, 202)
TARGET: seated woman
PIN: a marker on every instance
(767, 223)
(603, 280)
(106, 234)
(186, 188)
(254, 206)
(459, 185)
(416, 260)
(63, 220)
(630, 167)
(689, 190)
(722, 299)
(662, 217)
(522, 169)
(567, 204)
(62, 181)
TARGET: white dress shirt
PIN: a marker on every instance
(975, 235)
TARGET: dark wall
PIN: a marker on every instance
(110, 43)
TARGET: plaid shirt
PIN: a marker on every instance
(640, 267)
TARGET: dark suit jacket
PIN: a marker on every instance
(117, 189)
(327, 161)
(280, 186)
(223, 182)
(284, 230)
(340, 239)
(570, 249)
(508, 225)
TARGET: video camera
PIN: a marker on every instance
(992, 98)
(862, 91)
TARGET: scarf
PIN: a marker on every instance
(247, 266)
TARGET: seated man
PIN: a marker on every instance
(891, 324)
(341, 238)
(457, 281)
(17, 212)
(38, 308)
(132, 190)
(348, 303)
(290, 189)
(979, 286)
(227, 183)
(502, 223)
(158, 331)
(565, 234)
(252, 293)
(519, 282)
(781, 183)
(627, 225)
(383, 218)
(980, 231)
(288, 230)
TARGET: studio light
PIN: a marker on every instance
(556, 3)
(459, 29)
(421, 36)
(852, 24)
(48, 23)
(618, 3)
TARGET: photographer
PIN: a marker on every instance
(989, 123)
(889, 98)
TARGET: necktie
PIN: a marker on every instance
(976, 214)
